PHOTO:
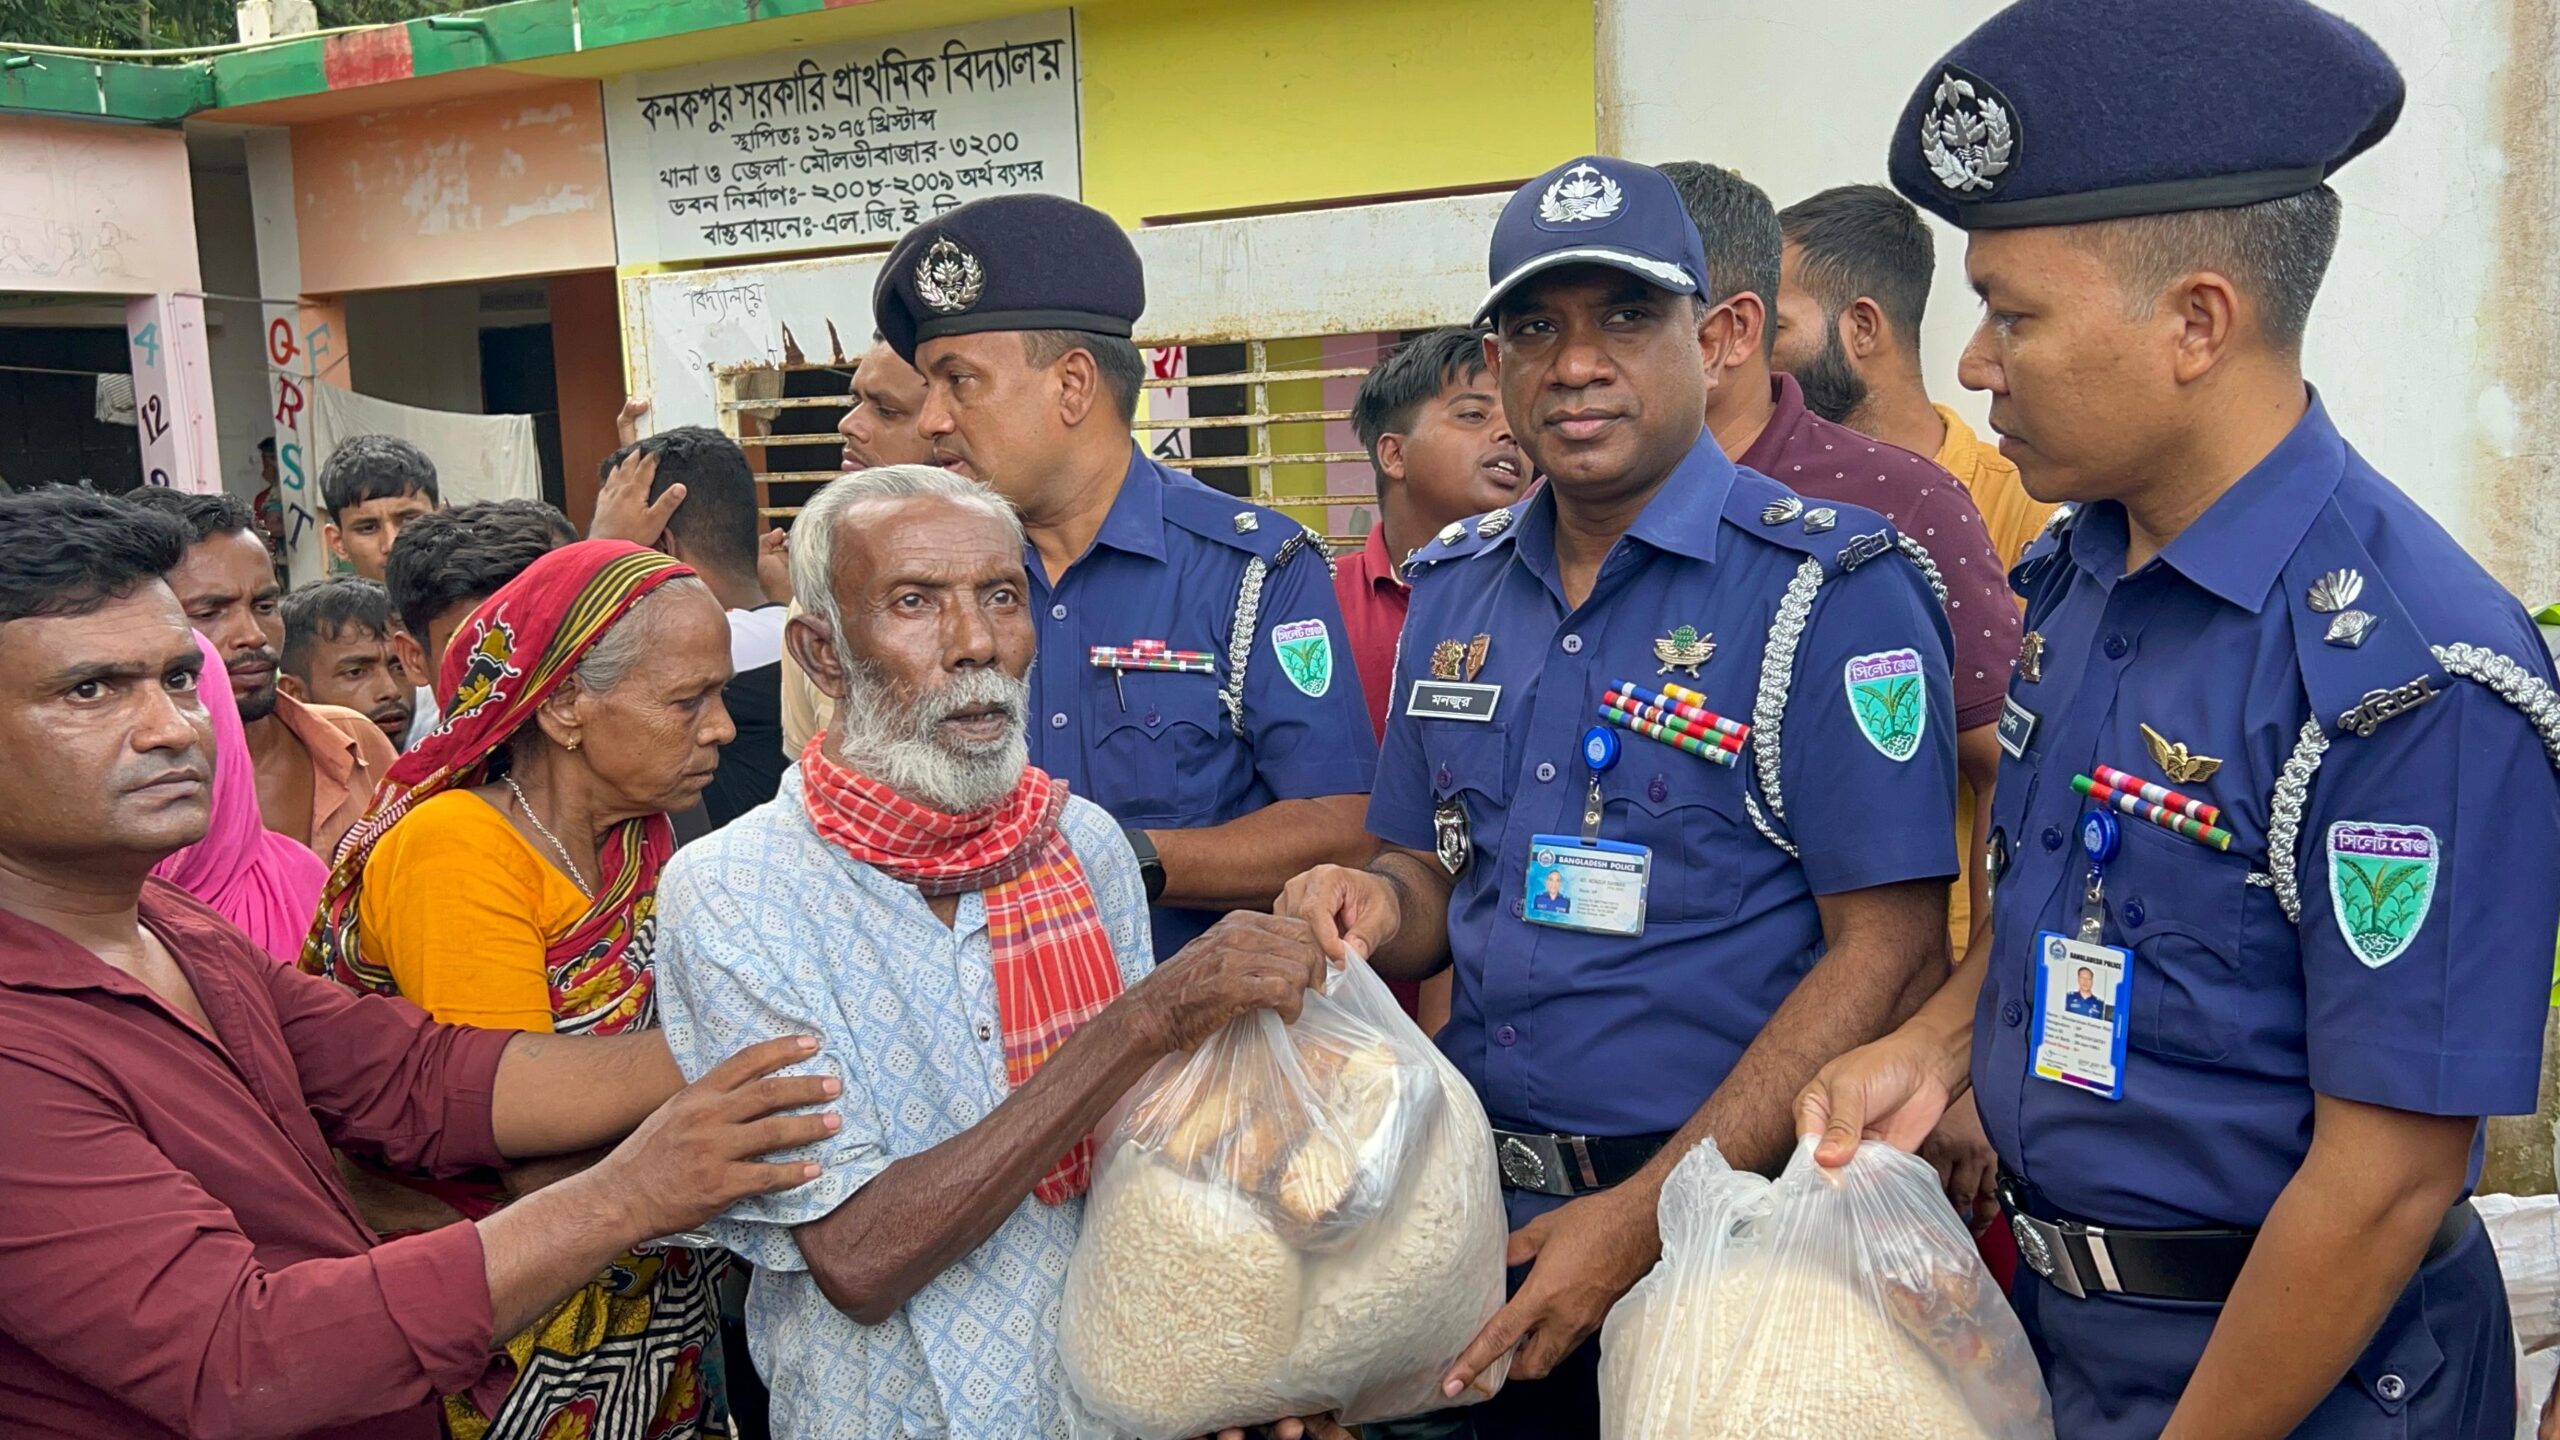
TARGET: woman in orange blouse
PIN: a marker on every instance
(507, 877)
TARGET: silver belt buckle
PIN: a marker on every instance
(2040, 1245)
(1532, 1162)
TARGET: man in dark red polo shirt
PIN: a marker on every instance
(1433, 427)
(180, 1258)
(1760, 419)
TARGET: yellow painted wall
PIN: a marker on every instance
(1194, 106)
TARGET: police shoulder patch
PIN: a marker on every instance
(2382, 881)
(1305, 651)
(1889, 699)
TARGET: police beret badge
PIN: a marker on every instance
(949, 279)
(1580, 195)
(1969, 134)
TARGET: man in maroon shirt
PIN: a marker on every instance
(1435, 433)
(180, 1258)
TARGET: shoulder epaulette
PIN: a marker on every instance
(1461, 538)
(1217, 516)
(1841, 537)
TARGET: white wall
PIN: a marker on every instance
(227, 248)
(418, 347)
(2432, 344)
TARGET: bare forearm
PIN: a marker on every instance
(922, 1214)
(1242, 864)
(2336, 1251)
(559, 1093)
(543, 1247)
(1420, 948)
(1872, 974)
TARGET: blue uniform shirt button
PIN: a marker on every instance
(2052, 838)
(2389, 1387)
(1546, 772)
(1573, 644)
(1656, 790)
(1442, 778)
(2010, 1014)
(2133, 912)
(2116, 647)
(1057, 612)
(1516, 911)
(1058, 721)
(1508, 1036)
(1154, 719)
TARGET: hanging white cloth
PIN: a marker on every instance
(478, 457)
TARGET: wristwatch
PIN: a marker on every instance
(1150, 864)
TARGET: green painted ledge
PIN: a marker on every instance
(517, 32)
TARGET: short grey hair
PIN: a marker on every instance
(813, 535)
(619, 650)
(2277, 251)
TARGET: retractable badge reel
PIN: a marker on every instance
(1582, 882)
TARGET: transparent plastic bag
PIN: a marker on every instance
(1289, 1220)
(1847, 1302)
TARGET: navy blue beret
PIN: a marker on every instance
(2059, 112)
(1009, 262)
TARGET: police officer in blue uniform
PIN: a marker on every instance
(2279, 767)
(1719, 711)
(1190, 679)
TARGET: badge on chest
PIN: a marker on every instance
(1452, 692)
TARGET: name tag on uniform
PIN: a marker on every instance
(2017, 727)
(2080, 1019)
(1451, 700)
(1594, 885)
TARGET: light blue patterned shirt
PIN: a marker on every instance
(768, 930)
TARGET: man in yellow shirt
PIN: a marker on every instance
(1852, 290)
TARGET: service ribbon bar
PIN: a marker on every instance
(2162, 795)
(1676, 739)
(1685, 710)
(1152, 655)
(2161, 815)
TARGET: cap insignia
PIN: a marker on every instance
(1580, 195)
(949, 279)
(1967, 136)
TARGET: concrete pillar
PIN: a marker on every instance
(173, 391)
(275, 19)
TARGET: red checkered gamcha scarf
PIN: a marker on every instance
(1054, 968)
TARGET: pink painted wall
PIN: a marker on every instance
(91, 208)
(470, 189)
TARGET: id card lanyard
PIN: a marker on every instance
(1599, 756)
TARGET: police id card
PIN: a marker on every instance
(1578, 884)
(2080, 1018)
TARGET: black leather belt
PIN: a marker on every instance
(2080, 1259)
(1570, 1165)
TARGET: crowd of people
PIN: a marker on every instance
(428, 995)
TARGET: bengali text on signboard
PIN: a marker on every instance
(841, 145)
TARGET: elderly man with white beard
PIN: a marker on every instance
(970, 944)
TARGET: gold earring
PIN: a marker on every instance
(573, 745)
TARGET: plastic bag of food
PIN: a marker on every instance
(1843, 1302)
(1289, 1220)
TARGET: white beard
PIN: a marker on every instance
(897, 742)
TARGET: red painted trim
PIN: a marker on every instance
(367, 57)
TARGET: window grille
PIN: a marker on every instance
(1264, 419)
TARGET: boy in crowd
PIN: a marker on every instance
(337, 651)
(371, 486)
